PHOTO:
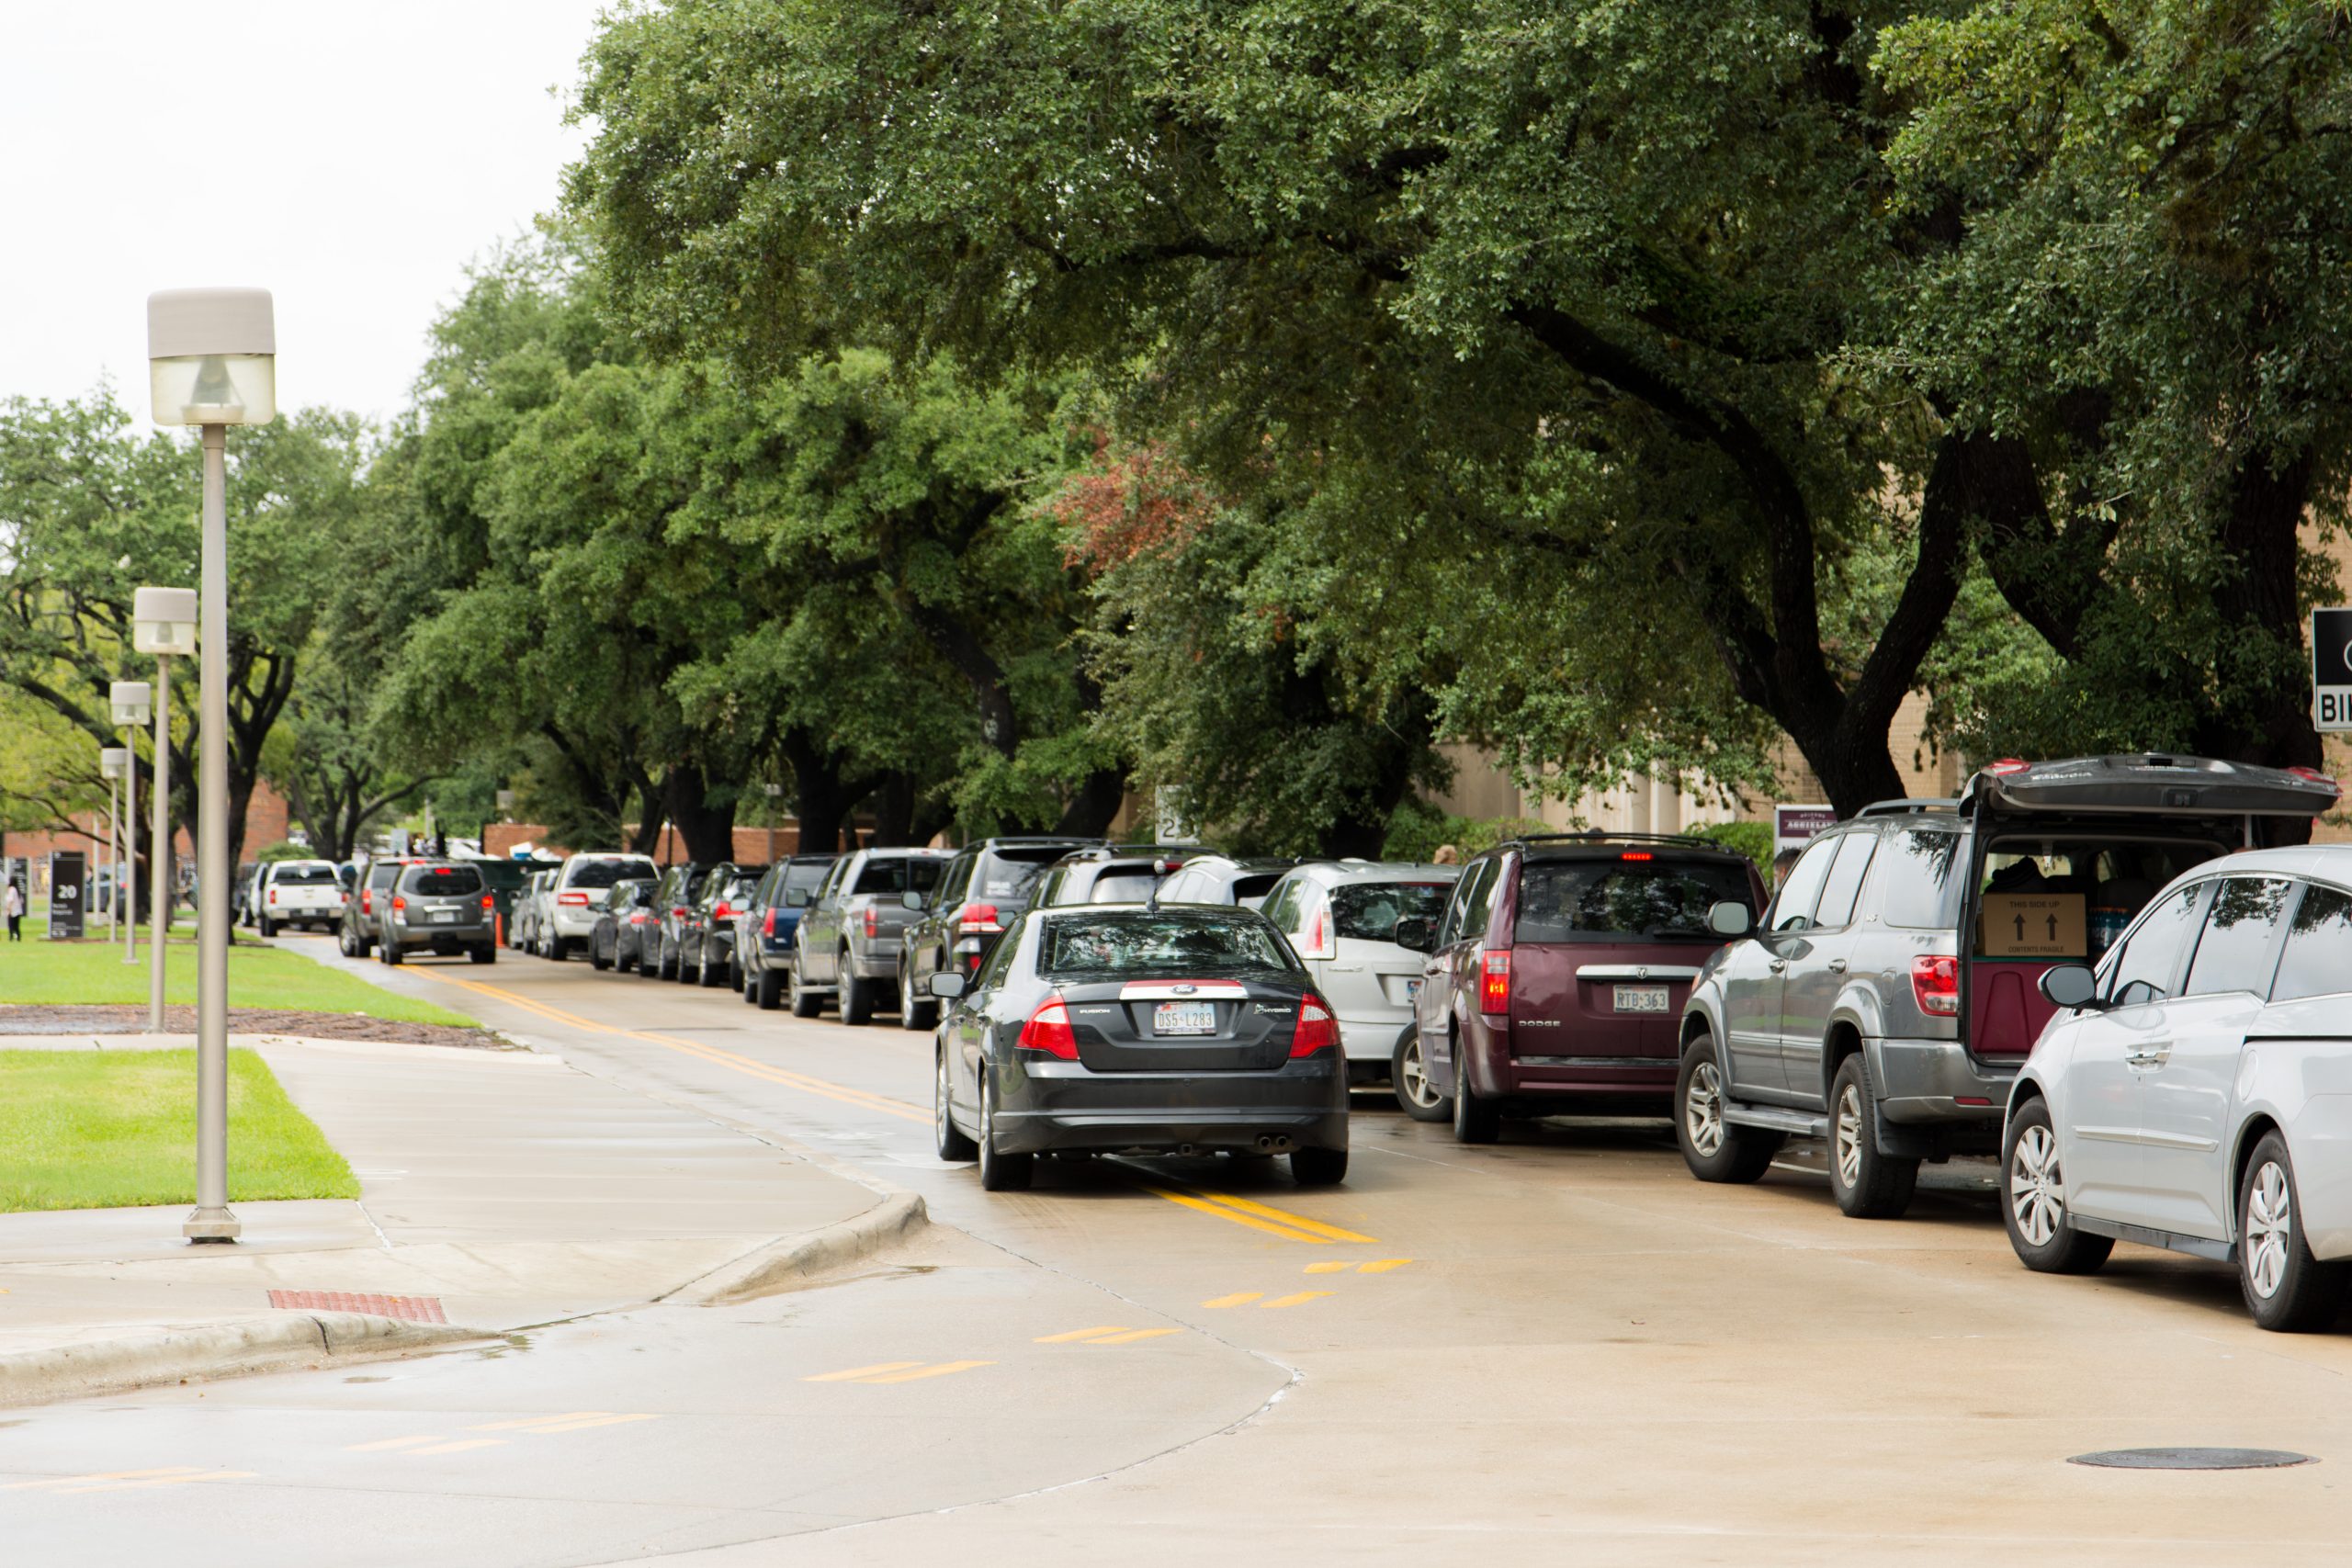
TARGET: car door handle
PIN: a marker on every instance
(1779, 965)
(1837, 966)
(2150, 1056)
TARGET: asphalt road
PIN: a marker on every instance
(1558, 1348)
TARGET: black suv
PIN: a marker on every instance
(980, 892)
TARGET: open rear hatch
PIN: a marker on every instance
(1181, 1026)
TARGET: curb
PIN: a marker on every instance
(283, 1342)
(794, 1261)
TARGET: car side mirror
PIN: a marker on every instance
(1414, 933)
(2070, 985)
(947, 985)
(795, 898)
(1730, 919)
(911, 900)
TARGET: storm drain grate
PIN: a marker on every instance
(2192, 1459)
(416, 1309)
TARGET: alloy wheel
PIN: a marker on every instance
(939, 1099)
(1416, 1076)
(2269, 1224)
(2037, 1186)
(1702, 1109)
(1848, 1139)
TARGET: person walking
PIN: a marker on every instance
(15, 904)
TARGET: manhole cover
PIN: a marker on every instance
(2193, 1459)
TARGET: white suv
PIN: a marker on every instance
(570, 918)
(2190, 1092)
(299, 893)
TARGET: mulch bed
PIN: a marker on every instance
(63, 1020)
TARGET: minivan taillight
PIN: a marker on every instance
(1935, 983)
(977, 917)
(1317, 1031)
(1317, 942)
(1494, 982)
(1048, 1031)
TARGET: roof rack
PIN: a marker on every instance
(1914, 806)
(1606, 836)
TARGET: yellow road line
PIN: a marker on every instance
(386, 1443)
(537, 1421)
(461, 1448)
(1382, 1265)
(1080, 1334)
(102, 1475)
(1202, 1206)
(1297, 1298)
(1131, 1335)
(1283, 1217)
(165, 1481)
(862, 1371)
(1334, 1267)
(601, 1421)
(1238, 1298)
(941, 1371)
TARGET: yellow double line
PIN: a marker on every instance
(1257, 1215)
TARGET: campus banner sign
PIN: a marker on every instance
(67, 868)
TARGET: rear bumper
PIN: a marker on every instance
(568, 921)
(1926, 1081)
(875, 960)
(1058, 1107)
(440, 938)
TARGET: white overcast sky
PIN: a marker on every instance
(352, 157)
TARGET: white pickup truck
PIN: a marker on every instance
(299, 893)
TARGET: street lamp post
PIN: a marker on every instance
(212, 355)
(110, 767)
(163, 622)
(129, 700)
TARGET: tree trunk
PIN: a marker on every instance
(821, 797)
(707, 829)
(1093, 803)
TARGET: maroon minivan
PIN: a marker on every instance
(1557, 973)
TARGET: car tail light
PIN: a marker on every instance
(576, 901)
(972, 962)
(488, 903)
(1317, 1031)
(399, 904)
(768, 926)
(723, 911)
(273, 896)
(976, 918)
(679, 913)
(873, 922)
(1048, 1031)
(1638, 854)
(2008, 765)
(1494, 982)
(1318, 942)
(2315, 776)
(1935, 983)
(639, 918)
(366, 901)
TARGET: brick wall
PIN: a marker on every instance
(265, 824)
(754, 846)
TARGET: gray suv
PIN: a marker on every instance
(1890, 993)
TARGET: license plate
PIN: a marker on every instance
(1412, 990)
(1184, 1018)
(446, 916)
(1641, 998)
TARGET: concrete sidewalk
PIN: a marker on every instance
(499, 1190)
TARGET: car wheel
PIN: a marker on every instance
(1476, 1119)
(2033, 1211)
(649, 964)
(486, 953)
(1318, 1168)
(915, 1012)
(343, 943)
(2285, 1287)
(1867, 1184)
(392, 953)
(267, 927)
(857, 994)
(1713, 1147)
(767, 989)
(596, 959)
(953, 1145)
(1415, 1096)
(804, 1002)
(707, 975)
(999, 1172)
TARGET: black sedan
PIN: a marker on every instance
(1139, 1030)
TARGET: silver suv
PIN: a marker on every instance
(1891, 993)
(1341, 917)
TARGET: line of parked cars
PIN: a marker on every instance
(2094, 970)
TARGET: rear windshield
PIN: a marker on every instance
(602, 872)
(899, 874)
(1172, 946)
(309, 875)
(441, 881)
(1368, 911)
(1012, 871)
(383, 873)
(2069, 896)
(1611, 900)
(1120, 884)
(806, 874)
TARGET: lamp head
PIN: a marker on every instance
(133, 701)
(163, 621)
(113, 761)
(212, 355)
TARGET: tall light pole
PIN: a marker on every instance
(212, 355)
(163, 622)
(130, 700)
(112, 759)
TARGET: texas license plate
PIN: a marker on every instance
(1641, 998)
(1412, 990)
(446, 916)
(1184, 1018)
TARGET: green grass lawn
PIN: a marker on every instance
(91, 974)
(115, 1129)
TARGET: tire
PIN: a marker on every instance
(1415, 1096)
(393, 955)
(1476, 1120)
(1711, 1147)
(267, 927)
(2286, 1289)
(2033, 1205)
(857, 995)
(705, 976)
(749, 988)
(488, 955)
(1867, 1184)
(648, 968)
(596, 959)
(342, 944)
(915, 1012)
(767, 989)
(559, 948)
(805, 1003)
(999, 1173)
(1318, 1168)
(954, 1146)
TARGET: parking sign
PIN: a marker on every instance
(2331, 670)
